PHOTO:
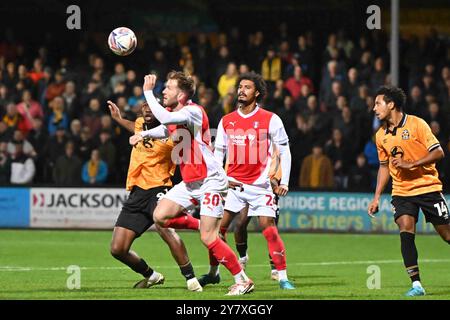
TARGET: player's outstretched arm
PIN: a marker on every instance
(164, 116)
(115, 114)
(160, 132)
(382, 181)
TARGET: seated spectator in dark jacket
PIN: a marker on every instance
(95, 171)
(67, 169)
(107, 150)
(92, 117)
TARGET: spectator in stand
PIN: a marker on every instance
(22, 166)
(317, 170)
(26, 146)
(95, 171)
(227, 81)
(29, 109)
(416, 103)
(137, 98)
(352, 83)
(56, 87)
(5, 99)
(295, 83)
(71, 101)
(37, 72)
(271, 69)
(107, 149)
(38, 137)
(359, 178)
(58, 118)
(6, 133)
(118, 76)
(378, 77)
(339, 152)
(92, 117)
(67, 169)
(86, 145)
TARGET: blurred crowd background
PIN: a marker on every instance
(56, 128)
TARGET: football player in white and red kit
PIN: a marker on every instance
(246, 137)
(204, 179)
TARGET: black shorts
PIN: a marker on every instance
(433, 206)
(137, 211)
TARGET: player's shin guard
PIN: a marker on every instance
(183, 221)
(409, 253)
(223, 254)
(276, 247)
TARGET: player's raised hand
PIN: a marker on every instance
(373, 208)
(135, 139)
(281, 190)
(114, 109)
(149, 82)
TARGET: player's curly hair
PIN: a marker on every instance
(185, 82)
(258, 80)
(393, 94)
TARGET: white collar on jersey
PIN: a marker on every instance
(250, 114)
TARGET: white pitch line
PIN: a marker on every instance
(306, 264)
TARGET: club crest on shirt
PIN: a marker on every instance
(256, 124)
(405, 134)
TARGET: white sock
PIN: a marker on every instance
(154, 276)
(214, 270)
(282, 275)
(241, 277)
(416, 284)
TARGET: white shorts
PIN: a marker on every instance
(208, 193)
(261, 201)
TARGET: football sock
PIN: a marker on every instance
(276, 247)
(187, 271)
(183, 221)
(409, 253)
(142, 268)
(242, 249)
(213, 263)
(240, 277)
(223, 253)
(282, 275)
(214, 270)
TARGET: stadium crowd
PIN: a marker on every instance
(56, 128)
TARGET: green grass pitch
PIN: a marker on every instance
(33, 265)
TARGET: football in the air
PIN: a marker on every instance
(122, 41)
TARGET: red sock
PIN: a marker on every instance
(183, 221)
(223, 253)
(276, 247)
(212, 260)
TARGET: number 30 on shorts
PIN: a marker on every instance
(213, 199)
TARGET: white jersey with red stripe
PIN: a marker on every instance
(248, 140)
(193, 145)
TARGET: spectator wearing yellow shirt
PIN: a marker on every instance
(227, 81)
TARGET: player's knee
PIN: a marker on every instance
(117, 251)
(158, 218)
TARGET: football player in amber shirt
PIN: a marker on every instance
(408, 151)
(148, 180)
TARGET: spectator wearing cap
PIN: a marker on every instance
(95, 171)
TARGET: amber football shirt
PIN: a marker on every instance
(150, 163)
(411, 140)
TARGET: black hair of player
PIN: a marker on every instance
(393, 94)
(258, 80)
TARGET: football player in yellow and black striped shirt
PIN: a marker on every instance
(149, 178)
(408, 151)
